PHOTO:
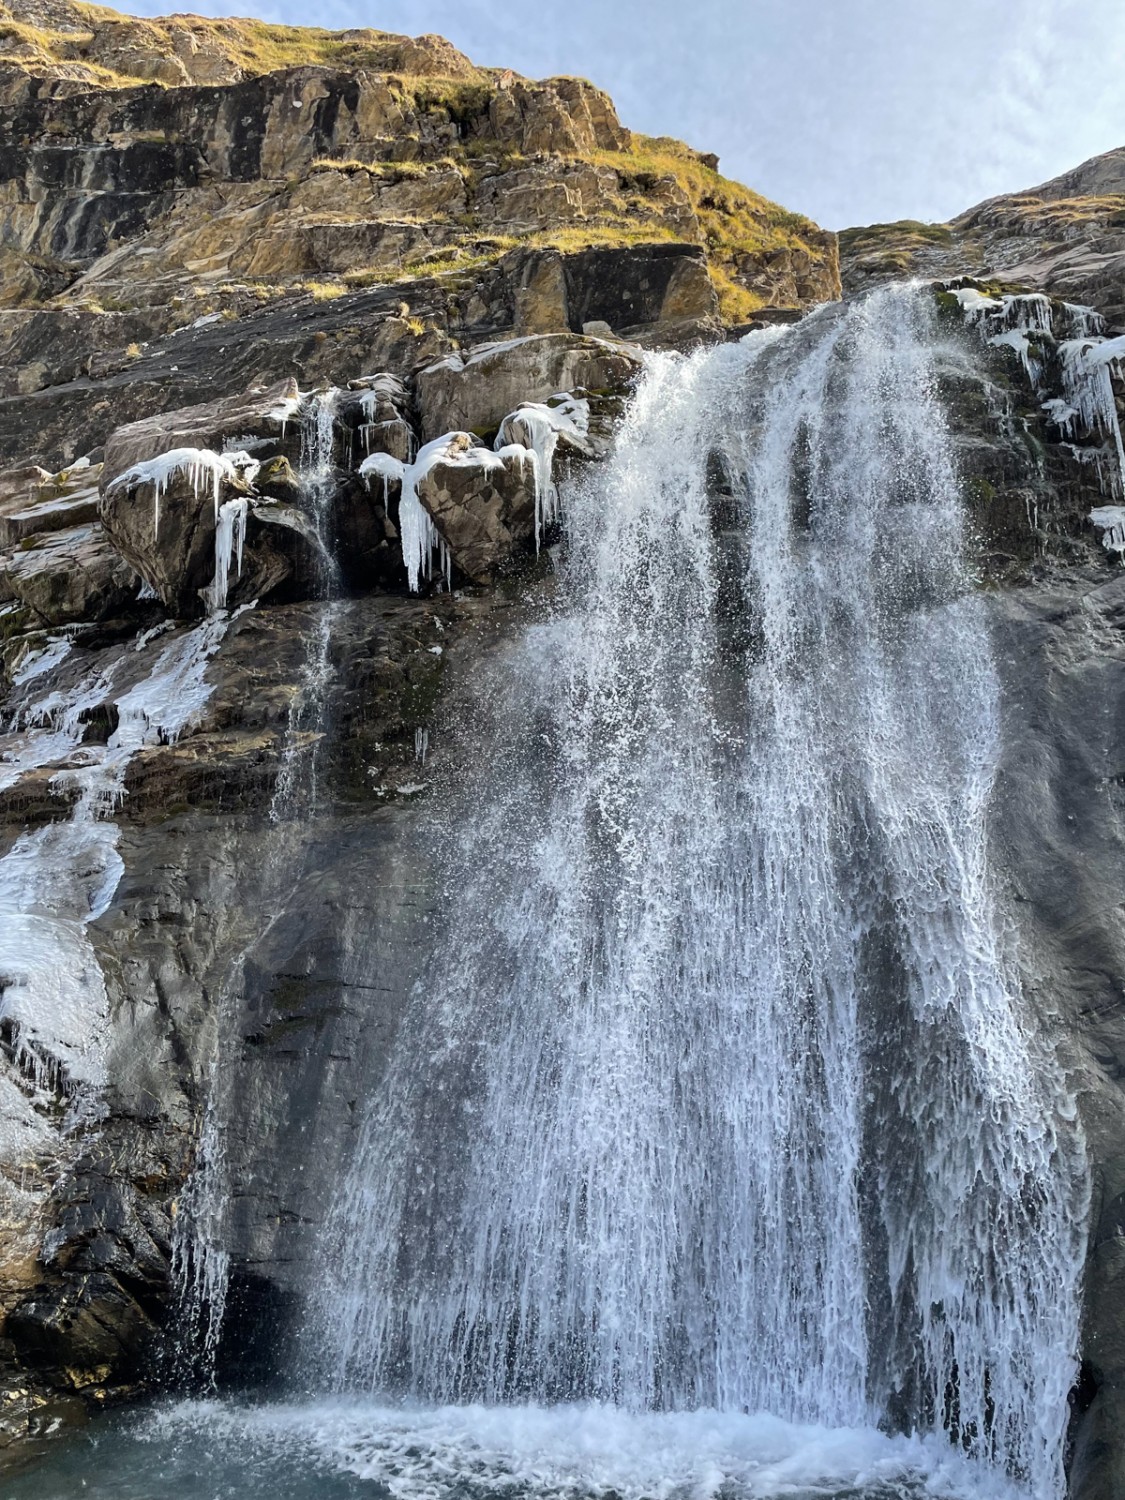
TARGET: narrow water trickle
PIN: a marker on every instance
(201, 1258)
(721, 1091)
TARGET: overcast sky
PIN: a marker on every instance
(852, 111)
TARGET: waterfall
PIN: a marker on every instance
(721, 1091)
(201, 1258)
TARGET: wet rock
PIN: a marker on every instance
(91, 1333)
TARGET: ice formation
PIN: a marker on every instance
(1037, 328)
(1089, 366)
(1110, 521)
(529, 435)
(420, 537)
(230, 538)
(204, 470)
(538, 426)
(56, 880)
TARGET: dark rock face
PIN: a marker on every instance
(1059, 827)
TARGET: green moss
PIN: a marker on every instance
(981, 491)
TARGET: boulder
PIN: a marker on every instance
(482, 504)
(254, 421)
(202, 538)
(473, 392)
(68, 576)
(459, 505)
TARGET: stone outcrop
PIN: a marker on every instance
(476, 390)
(69, 575)
(1065, 237)
(483, 505)
(212, 163)
(199, 233)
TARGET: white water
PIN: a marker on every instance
(722, 1095)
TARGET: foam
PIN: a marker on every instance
(581, 1450)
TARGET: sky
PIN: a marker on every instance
(851, 111)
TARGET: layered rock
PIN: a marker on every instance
(1065, 237)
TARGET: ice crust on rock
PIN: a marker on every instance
(204, 470)
(538, 426)
(420, 537)
(1110, 521)
(528, 435)
(1035, 327)
(56, 880)
(206, 473)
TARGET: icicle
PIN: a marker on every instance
(1088, 370)
(1110, 521)
(230, 536)
(204, 470)
(537, 427)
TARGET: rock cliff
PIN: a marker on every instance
(1065, 237)
(290, 322)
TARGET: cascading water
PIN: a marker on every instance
(201, 1260)
(722, 1092)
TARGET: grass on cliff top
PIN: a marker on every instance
(1058, 213)
(903, 234)
(252, 45)
(737, 225)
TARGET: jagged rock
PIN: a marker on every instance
(33, 501)
(277, 481)
(473, 392)
(1065, 237)
(548, 193)
(70, 575)
(365, 537)
(373, 417)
